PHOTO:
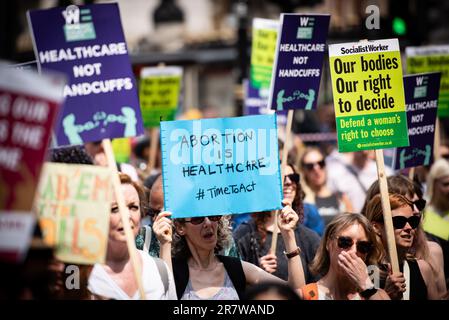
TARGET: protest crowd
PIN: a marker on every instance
(110, 190)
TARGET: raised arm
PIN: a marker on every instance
(162, 227)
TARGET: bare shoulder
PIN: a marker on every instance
(435, 249)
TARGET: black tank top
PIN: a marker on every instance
(418, 288)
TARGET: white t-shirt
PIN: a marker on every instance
(102, 284)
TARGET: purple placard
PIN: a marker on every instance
(256, 102)
(421, 98)
(299, 59)
(88, 45)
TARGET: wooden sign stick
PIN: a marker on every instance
(124, 215)
(411, 173)
(154, 144)
(283, 165)
(437, 142)
(388, 222)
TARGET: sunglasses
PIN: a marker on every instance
(153, 212)
(200, 220)
(293, 177)
(363, 247)
(310, 166)
(420, 204)
(399, 222)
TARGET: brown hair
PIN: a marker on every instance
(143, 199)
(321, 263)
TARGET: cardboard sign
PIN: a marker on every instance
(159, 93)
(263, 51)
(299, 58)
(122, 149)
(432, 59)
(421, 97)
(368, 95)
(73, 206)
(87, 44)
(16, 230)
(256, 102)
(29, 103)
(220, 166)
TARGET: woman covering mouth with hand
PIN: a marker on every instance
(201, 274)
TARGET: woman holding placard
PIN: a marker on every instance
(417, 278)
(115, 279)
(200, 273)
(347, 248)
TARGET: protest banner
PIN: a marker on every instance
(159, 93)
(256, 102)
(88, 45)
(299, 58)
(73, 205)
(29, 103)
(432, 59)
(122, 149)
(263, 48)
(421, 98)
(16, 230)
(368, 95)
(220, 166)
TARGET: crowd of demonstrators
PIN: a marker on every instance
(348, 246)
(254, 237)
(313, 168)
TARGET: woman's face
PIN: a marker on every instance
(403, 231)
(314, 169)
(200, 232)
(352, 239)
(289, 185)
(116, 231)
(442, 187)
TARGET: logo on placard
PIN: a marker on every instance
(78, 24)
(305, 31)
(421, 88)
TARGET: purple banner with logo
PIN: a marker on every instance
(88, 45)
(421, 98)
(256, 102)
(299, 59)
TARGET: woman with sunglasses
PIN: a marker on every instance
(253, 238)
(422, 248)
(200, 273)
(420, 284)
(329, 203)
(347, 247)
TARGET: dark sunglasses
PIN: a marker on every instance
(293, 177)
(200, 220)
(420, 204)
(399, 222)
(363, 247)
(153, 212)
(310, 166)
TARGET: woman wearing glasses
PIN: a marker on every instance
(419, 282)
(200, 273)
(329, 203)
(346, 249)
(422, 248)
(254, 238)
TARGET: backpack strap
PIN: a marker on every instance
(181, 275)
(235, 272)
(163, 272)
(310, 291)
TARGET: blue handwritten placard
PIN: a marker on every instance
(88, 45)
(298, 63)
(220, 166)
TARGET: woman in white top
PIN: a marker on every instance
(115, 279)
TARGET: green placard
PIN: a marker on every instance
(159, 94)
(432, 59)
(122, 149)
(263, 51)
(368, 95)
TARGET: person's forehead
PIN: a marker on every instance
(313, 156)
(129, 191)
(355, 231)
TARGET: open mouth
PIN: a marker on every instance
(208, 235)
